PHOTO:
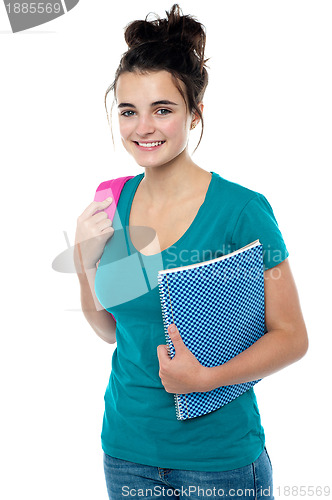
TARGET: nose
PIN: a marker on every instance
(145, 125)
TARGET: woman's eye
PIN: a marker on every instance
(163, 111)
(125, 113)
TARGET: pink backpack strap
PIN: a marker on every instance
(112, 188)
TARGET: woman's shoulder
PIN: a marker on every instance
(233, 192)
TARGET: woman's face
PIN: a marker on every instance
(154, 122)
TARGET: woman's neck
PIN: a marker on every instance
(174, 181)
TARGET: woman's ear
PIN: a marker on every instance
(195, 116)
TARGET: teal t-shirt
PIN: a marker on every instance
(140, 423)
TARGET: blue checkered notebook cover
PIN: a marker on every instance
(218, 307)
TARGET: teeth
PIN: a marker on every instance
(150, 144)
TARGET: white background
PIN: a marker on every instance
(267, 126)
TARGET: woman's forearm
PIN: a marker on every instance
(272, 352)
(100, 320)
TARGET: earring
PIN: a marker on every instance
(193, 125)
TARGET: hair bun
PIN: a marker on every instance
(177, 29)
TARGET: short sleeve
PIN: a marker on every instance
(257, 221)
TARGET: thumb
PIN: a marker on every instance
(175, 337)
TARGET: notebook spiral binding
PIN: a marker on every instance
(171, 349)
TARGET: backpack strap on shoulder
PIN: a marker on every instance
(113, 188)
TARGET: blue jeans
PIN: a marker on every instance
(128, 479)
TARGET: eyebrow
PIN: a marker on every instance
(156, 103)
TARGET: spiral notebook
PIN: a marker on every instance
(218, 307)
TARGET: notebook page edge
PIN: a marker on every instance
(200, 264)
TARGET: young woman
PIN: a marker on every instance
(159, 88)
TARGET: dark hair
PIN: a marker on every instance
(175, 44)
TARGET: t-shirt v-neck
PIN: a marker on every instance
(199, 215)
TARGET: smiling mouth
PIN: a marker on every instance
(149, 145)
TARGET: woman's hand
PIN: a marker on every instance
(184, 373)
(92, 232)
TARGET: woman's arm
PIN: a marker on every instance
(101, 321)
(285, 342)
(92, 233)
